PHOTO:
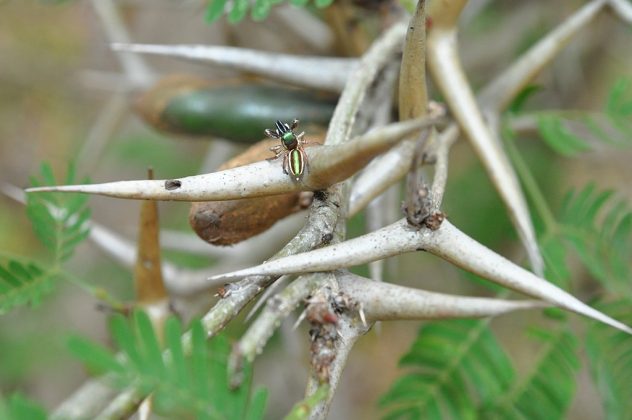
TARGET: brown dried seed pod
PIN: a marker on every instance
(232, 221)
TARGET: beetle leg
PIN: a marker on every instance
(277, 150)
(302, 142)
(305, 162)
(285, 164)
(272, 134)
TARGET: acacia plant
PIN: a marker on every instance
(386, 142)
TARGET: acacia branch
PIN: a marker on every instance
(326, 73)
(389, 168)
(87, 401)
(378, 301)
(325, 212)
(390, 302)
(377, 57)
(135, 68)
(500, 92)
(348, 332)
(623, 9)
(277, 308)
(447, 71)
(446, 242)
(178, 280)
(328, 165)
(321, 223)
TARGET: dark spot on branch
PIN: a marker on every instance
(320, 195)
(226, 290)
(342, 302)
(326, 238)
(433, 222)
(429, 159)
(125, 309)
(172, 184)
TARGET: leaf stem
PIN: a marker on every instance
(530, 184)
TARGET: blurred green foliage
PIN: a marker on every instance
(192, 380)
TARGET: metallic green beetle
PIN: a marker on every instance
(295, 159)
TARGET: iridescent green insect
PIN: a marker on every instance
(294, 159)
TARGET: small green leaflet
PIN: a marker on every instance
(598, 227)
(573, 132)
(23, 284)
(17, 407)
(547, 391)
(457, 366)
(303, 408)
(61, 223)
(181, 384)
(610, 356)
(461, 372)
(259, 10)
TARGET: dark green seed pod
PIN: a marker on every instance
(237, 112)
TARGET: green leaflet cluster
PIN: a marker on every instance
(181, 384)
(17, 407)
(610, 357)
(258, 11)
(459, 371)
(61, 223)
(598, 227)
(574, 132)
(548, 389)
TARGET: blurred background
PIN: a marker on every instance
(64, 96)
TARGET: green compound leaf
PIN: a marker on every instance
(239, 11)
(321, 4)
(99, 359)
(17, 407)
(183, 385)
(23, 284)
(598, 227)
(60, 223)
(299, 3)
(559, 137)
(458, 366)
(571, 133)
(522, 98)
(214, 10)
(259, 9)
(547, 391)
(610, 357)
